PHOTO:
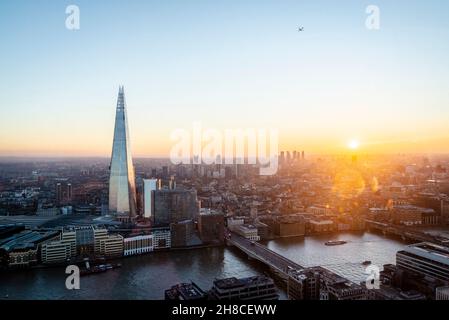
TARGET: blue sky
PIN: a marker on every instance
(225, 63)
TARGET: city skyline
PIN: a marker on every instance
(332, 83)
(264, 150)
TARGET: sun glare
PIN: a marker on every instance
(353, 144)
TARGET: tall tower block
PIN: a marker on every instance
(122, 184)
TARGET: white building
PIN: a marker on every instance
(319, 209)
(112, 246)
(247, 231)
(233, 223)
(138, 245)
(149, 186)
(56, 252)
(100, 234)
(69, 237)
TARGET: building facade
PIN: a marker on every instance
(181, 233)
(138, 245)
(149, 186)
(247, 231)
(112, 246)
(161, 238)
(426, 259)
(211, 226)
(442, 293)
(174, 205)
(56, 252)
(252, 288)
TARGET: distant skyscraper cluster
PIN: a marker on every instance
(63, 192)
(287, 157)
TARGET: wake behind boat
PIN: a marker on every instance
(99, 269)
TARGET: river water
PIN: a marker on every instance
(147, 276)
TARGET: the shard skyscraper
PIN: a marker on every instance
(122, 185)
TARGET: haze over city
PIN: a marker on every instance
(226, 64)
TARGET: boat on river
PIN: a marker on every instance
(335, 243)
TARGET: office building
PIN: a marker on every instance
(185, 292)
(181, 233)
(392, 293)
(426, 259)
(282, 157)
(263, 230)
(149, 186)
(47, 211)
(335, 287)
(247, 231)
(68, 237)
(164, 172)
(174, 205)
(442, 293)
(112, 246)
(85, 241)
(211, 225)
(290, 226)
(63, 193)
(56, 252)
(410, 215)
(100, 234)
(21, 250)
(319, 283)
(122, 185)
(88, 241)
(303, 285)
(138, 245)
(251, 288)
(409, 281)
(161, 238)
(320, 225)
(233, 222)
(288, 157)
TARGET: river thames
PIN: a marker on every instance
(147, 276)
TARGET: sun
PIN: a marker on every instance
(353, 144)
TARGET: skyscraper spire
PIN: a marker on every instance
(122, 186)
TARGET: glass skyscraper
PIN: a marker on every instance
(122, 185)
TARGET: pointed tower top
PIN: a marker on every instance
(121, 98)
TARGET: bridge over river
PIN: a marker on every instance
(279, 264)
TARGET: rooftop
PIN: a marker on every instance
(430, 251)
(233, 282)
(26, 240)
(185, 291)
(208, 211)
